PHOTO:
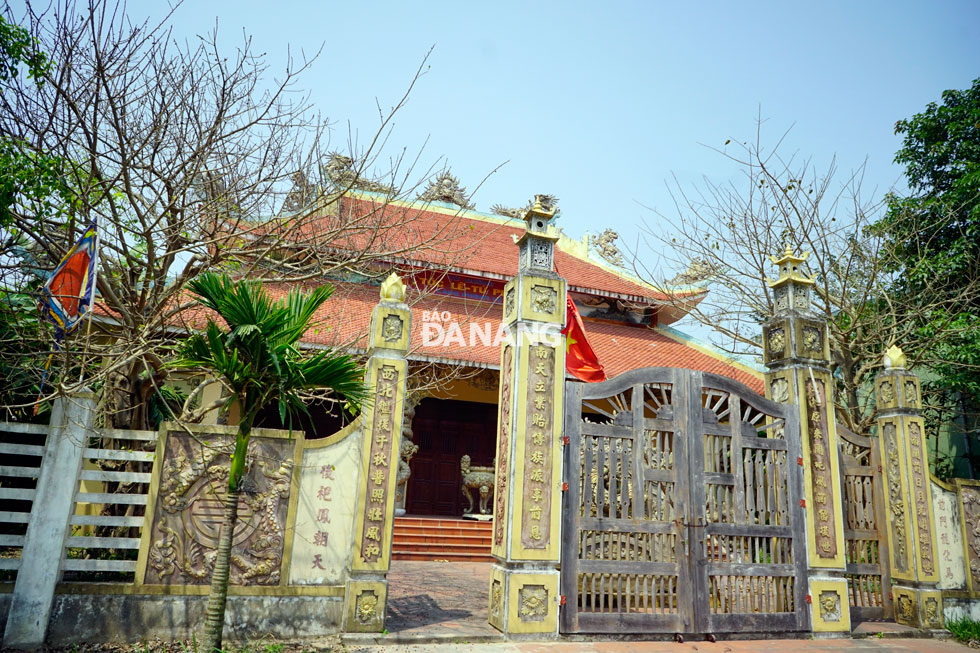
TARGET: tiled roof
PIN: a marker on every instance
(344, 319)
(485, 244)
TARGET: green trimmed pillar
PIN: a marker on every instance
(524, 595)
(797, 354)
(366, 592)
(908, 499)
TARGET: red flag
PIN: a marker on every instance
(580, 360)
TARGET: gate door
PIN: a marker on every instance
(866, 542)
(682, 513)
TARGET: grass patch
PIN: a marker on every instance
(965, 630)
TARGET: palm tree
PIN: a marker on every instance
(258, 361)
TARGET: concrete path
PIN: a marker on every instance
(749, 646)
(441, 607)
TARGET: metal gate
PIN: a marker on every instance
(682, 513)
(866, 542)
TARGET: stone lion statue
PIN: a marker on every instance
(479, 479)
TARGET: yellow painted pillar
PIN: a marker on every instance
(385, 376)
(908, 499)
(527, 498)
(797, 353)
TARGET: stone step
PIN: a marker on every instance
(444, 538)
(421, 538)
(450, 556)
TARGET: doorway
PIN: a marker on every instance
(445, 430)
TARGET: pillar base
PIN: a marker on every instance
(918, 608)
(364, 605)
(524, 600)
(829, 606)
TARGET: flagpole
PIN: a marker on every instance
(91, 303)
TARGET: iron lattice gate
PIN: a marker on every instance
(682, 513)
(868, 576)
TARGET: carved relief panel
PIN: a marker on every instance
(189, 510)
(503, 446)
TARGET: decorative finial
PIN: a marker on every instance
(894, 358)
(393, 289)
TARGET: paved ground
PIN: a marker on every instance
(439, 599)
(441, 607)
(752, 646)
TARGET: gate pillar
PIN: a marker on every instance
(908, 503)
(366, 592)
(797, 354)
(527, 499)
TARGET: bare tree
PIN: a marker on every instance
(191, 159)
(722, 238)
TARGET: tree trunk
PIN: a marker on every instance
(218, 596)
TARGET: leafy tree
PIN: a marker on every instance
(935, 229)
(258, 361)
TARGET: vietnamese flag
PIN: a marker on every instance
(580, 360)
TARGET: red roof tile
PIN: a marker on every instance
(343, 321)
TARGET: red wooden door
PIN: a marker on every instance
(445, 431)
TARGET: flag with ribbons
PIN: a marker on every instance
(69, 292)
(580, 359)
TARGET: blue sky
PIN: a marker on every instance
(600, 103)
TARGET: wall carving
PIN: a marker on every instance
(544, 299)
(911, 395)
(496, 596)
(509, 301)
(538, 441)
(190, 510)
(366, 607)
(777, 341)
(533, 602)
(821, 480)
(391, 328)
(830, 609)
(896, 502)
(503, 444)
(971, 517)
(886, 392)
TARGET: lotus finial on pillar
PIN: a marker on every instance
(895, 358)
(393, 289)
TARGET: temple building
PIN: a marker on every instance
(455, 288)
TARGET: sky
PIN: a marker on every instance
(602, 103)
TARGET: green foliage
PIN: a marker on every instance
(164, 404)
(936, 232)
(18, 48)
(965, 630)
(258, 356)
(21, 335)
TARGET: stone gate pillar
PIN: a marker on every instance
(367, 586)
(908, 498)
(797, 354)
(527, 499)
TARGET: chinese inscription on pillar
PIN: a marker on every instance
(379, 467)
(538, 440)
(820, 478)
(503, 446)
(323, 498)
(920, 489)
